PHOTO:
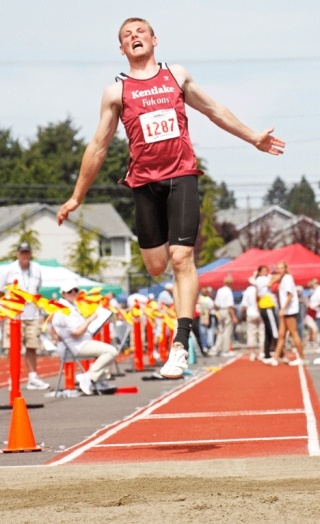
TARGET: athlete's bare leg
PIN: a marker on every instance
(186, 285)
(156, 259)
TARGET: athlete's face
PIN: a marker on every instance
(137, 40)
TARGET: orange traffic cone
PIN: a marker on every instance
(20, 435)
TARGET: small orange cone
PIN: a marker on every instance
(20, 435)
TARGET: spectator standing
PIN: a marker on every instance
(254, 323)
(288, 313)
(28, 275)
(206, 304)
(314, 302)
(267, 308)
(227, 318)
(302, 311)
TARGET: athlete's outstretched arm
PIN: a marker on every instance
(96, 150)
(222, 117)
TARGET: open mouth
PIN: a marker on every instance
(136, 45)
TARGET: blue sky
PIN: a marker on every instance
(260, 59)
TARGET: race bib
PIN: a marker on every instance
(159, 125)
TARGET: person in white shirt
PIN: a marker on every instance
(289, 308)
(254, 322)
(227, 318)
(28, 275)
(267, 308)
(73, 331)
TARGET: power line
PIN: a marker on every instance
(98, 63)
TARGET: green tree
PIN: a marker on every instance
(10, 157)
(302, 200)
(226, 198)
(209, 239)
(108, 186)
(277, 194)
(24, 234)
(82, 257)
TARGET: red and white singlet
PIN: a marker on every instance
(156, 124)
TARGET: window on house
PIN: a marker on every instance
(118, 247)
(115, 247)
(104, 247)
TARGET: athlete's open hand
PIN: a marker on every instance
(270, 144)
(65, 209)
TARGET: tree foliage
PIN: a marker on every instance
(209, 238)
(226, 198)
(302, 200)
(82, 254)
(23, 233)
(46, 168)
(277, 194)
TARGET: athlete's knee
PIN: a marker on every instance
(156, 267)
(182, 258)
(156, 260)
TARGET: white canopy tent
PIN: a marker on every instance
(53, 275)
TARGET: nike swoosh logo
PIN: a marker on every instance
(182, 239)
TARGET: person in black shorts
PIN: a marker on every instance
(163, 173)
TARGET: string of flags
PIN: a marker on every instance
(15, 299)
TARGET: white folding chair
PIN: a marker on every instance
(66, 355)
(120, 333)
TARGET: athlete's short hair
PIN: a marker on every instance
(130, 20)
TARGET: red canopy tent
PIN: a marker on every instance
(303, 265)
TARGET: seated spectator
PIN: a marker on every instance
(73, 331)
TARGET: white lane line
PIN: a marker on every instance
(141, 414)
(313, 436)
(211, 414)
(197, 442)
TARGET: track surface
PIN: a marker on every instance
(243, 409)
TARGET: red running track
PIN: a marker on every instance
(47, 366)
(245, 409)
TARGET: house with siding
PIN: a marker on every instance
(267, 228)
(112, 242)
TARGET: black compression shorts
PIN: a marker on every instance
(167, 211)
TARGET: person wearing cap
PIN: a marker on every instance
(73, 331)
(28, 275)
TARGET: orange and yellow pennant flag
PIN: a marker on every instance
(15, 291)
(11, 303)
(126, 315)
(51, 306)
(169, 321)
(87, 305)
(7, 312)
